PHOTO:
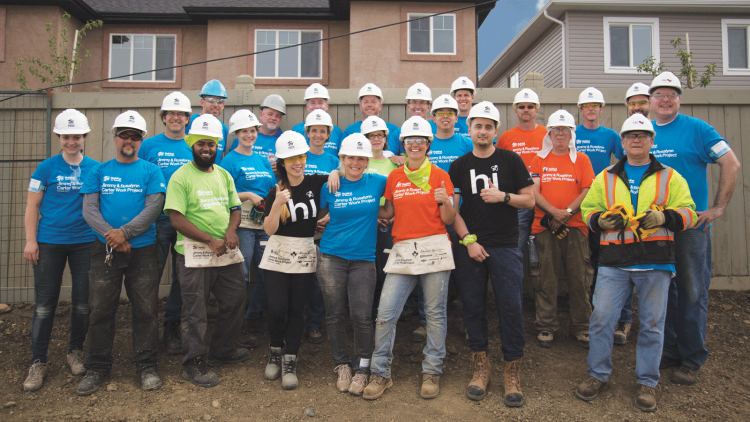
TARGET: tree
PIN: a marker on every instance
(57, 70)
(688, 71)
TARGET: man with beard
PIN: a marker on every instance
(122, 199)
(272, 111)
(204, 208)
(213, 95)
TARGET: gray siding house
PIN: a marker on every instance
(581, 43)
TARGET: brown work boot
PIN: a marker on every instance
(477, 388)
(646, 398)
(686, 375)
(589, 389)
(430, 386)
(376, 387)
(513, 394)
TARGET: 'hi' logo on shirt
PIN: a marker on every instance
(474, 177)
(305, 211)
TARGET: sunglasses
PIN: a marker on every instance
(375, 136)
(526, 107)
(132, 136)
(300, 158)
(214, 100)
(418, 141)
(590, 105)
(638, 103)
(661, 96)
(445, 113)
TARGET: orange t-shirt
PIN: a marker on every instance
(525, 143)
(561, 181)
(417, 212)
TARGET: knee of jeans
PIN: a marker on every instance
(81, 309)
(44, 311)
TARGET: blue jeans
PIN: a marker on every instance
(505, 269)
(626, 315)
(613, 289)
(253, 252)
(48, 275)
(525, 218)
(166, 237)
(395, 292)
(685, 330)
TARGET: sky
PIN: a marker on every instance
(503, 23)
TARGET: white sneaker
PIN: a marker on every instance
(345, 377)
(37, 372)
(359, 382)
(75, 362)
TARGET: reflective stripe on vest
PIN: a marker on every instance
(629, 237)
(662, 186)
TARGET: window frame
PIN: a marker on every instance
(126, 29)
(461, 37)
(417, 15)
(153, 58)
(610, 21)
(725, 25)
(299, 57)
(517, 76)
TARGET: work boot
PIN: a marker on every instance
(75, 361)
(622, 332)
(583, 340)
(90, 382)
(246, 339)
(196, 371)
(513, 394)
(646, 398)
(544, 339)
(477, 388)
(345, 377)
(420, 334)
(237, 356)
(376, 387)
(172, 337)
(315, 336)
(273, 368)
(359, 382)
(686, 375)
(150, 380)
(430, 386)
(37, 372)
(589, 389)
(289, 379)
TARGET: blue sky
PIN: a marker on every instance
(504, 22)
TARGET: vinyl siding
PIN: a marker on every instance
(544, 57)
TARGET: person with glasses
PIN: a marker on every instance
(688, 145)
(562, 177)
(317, 98)
(122, 198)
(60, 236)
(213, 96)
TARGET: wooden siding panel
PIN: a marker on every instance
(545, 58)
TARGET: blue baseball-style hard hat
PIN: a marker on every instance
(214, 88)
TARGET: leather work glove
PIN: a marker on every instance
(561, 232)
(651, 219)
(611, 222)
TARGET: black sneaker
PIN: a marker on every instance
(90, 382)
(237, 356)
(196, 371)
(172, 337)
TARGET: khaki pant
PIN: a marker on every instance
(572, 253)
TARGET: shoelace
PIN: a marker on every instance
(35, 370)
(344, 375)
(430, 377)
(480, 367)
(290, 366)
(77, 356)
(515, 369)
(275, 359)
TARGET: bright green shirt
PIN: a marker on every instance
(384, 167)
(203, 198)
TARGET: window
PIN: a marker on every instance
(301, 62)
(432, 35)
(735, 44)
(628, 42)
(132, 53)
(513, 80)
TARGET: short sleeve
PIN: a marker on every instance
(382, 180)
(536, 167)
(92, 184)
(585, 170)
(176, 194)
(38, 182)
(323, 196)
(714, 145)
(156, 183)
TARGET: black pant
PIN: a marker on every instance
(594, 239)
(287, 295)
(140, 269)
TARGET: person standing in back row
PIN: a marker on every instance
(317, 98)
(213, 96)
(462, 90)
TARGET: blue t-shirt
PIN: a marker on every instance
(599, 145)
(321, 164)
(445, 151)
(333, 143)
(461, 128)
(352, 232)
(222, 144)
(687, 145)
(397, 136)
(393, 143)
(265, 145)
(251, 173)
(168, 154)
(122, 192)
(61, 209)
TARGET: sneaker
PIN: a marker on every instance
(583, 340)
(90, 382)
(37, 372)
(345, 377)
(622, 332)
(544, 339)
(376, 387)
(172, 337)
(668, 362)
(686, 375)
(315, 336)
(646, 398)
(359, 382)
(196, 371)
(289, 379)
(420, 334)
(273, 368)
(237, 356)
(589, 389)
(150, 380)
(246, 339)
(75, 362)
(430, 386)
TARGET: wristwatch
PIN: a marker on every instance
(507, 198)
(570, 211)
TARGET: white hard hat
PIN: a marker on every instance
(444, 101)
(416, 126)
(637, 122)
(130, 119)
(370, 89)
(316, 90)
(71, 122)
(242, 119)
(290, 144)
(176, 101)
(462, 83)
(667, 80)
(486, 110)
(275, 102)
(526, 95)
(561, 118)
(419, 91)
(356, 145)
(591, 95)
(637, 89)
(373, 124)
(207, 125)
(319, 117)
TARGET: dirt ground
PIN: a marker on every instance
(549, 377)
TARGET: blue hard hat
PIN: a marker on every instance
(214, 88)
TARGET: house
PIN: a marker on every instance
(581, 43)
(141, 35)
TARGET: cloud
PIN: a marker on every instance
(540, 4)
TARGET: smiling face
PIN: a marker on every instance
(665, 102)
(526, 112)
(419, 108)
(482, 131)
(71, 144)
(354, 166)
(378, 140)
(295, 166)
(212, 105)
(204, 153)
(415, 150)
(318, 135)
(443, 118)
(638, 104)
(464, 98)
(313, 104)
(370, 105)
(247, 136)
(270, 119)
(175, 121)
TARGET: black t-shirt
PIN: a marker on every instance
(304, 206)
(495, 225)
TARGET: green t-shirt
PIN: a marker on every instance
(384, 167)
(203, 198)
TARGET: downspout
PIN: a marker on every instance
(562, 25)
(476, 45)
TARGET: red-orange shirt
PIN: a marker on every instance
(561, 181)
(417, 211)
(526, 143)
